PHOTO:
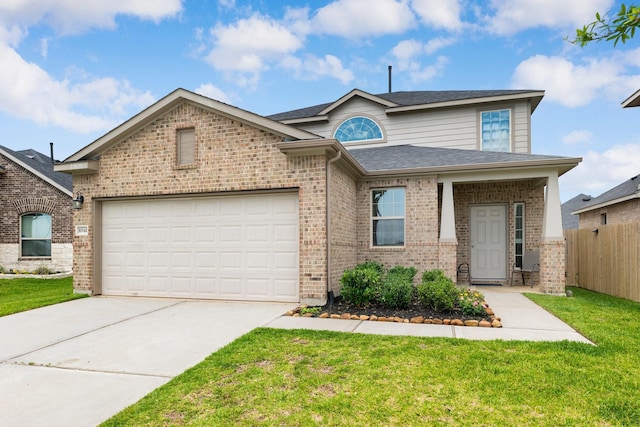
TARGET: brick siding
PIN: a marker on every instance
(231, 157)
(620, 213)
(23, 192)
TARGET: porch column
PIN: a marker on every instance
(448, 245)
(552, 244)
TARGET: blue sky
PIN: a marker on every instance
(71, 70)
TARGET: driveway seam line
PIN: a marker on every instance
(94, 330)
(64, 368)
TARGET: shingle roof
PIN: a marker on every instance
(42, 164)
(397, 157)
(407, 98)
(625, 189)
(569, 221)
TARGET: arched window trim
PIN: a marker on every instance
(382, 137)
(38, 245)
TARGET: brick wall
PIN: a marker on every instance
(509, 192)
(23, 192)
(343, 224)
(620, 213)
(421, 224)
(231, 157)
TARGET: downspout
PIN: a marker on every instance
(328, 204)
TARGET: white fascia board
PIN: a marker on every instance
(469, 101)
(36, 173)
(360, 93)
(632, 101)
(78, 168)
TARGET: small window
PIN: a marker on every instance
(496, 130)
(35, 235)
(518, 221)
(186, 147)
(358, 129)
(603, 218)
(387, 217)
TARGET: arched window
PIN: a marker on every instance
(35, 235)
(358, 129)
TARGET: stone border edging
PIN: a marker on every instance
(35, 276)
(495, 321)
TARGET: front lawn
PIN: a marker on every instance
(306, 378)
(18, 295)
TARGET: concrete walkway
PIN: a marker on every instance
(521, 320)
(80, 362)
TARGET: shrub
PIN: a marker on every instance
(432, 276)
(408, 272)
(372, 264)
(471, 303)
(440, 294)
(360, 284)
(2, 270)
(42, 269)
(397, 289)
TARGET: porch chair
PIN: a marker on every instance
(530, 264)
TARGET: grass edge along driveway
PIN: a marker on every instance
(306, 378)
(22, 294)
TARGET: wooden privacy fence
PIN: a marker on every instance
(605, 259)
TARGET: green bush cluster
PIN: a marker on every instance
(437, 291)
(368, 282)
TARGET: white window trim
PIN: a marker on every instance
(524, 227)
(361, 141)
(511, 130)
(50, 239)
(372, 218)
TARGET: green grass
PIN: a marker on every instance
(18, 295)
(305, 378)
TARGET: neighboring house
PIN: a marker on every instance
(35, 212)
(195, 198)
(569, 220)
(619, 205)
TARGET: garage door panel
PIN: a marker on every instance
(212, 247)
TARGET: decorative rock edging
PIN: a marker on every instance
(494, 323)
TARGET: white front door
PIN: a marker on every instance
(488, 242)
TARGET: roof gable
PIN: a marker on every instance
(171, 101)
(41, 166)
(632, 101)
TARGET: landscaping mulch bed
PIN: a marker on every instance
(415, 313)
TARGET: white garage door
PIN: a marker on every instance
(233, 247)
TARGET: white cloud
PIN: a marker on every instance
(517, 15)
(429, 72)
(75, 16)
(434, 45)
(439, 13)
(250, 46)
(601, 171)
(28, 92)
(214, 92)
(313, 68)
(363, 18)
(566, 83)
(578, 137)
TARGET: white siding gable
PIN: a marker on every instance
(455, 127)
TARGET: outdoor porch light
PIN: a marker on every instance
(78, 201)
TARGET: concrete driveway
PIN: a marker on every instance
(80, 362)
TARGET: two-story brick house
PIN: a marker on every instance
(196, 198)
(35, 212)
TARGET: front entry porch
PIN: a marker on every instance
(488, 223)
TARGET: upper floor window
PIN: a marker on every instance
(186, 147)
(358, 129)
(496, 130)
(387, 216)
(35, 235)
